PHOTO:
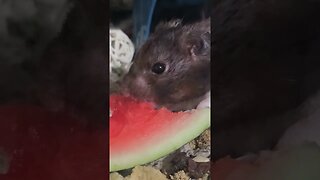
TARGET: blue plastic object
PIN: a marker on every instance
(142, 17)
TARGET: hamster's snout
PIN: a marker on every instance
(135, 86)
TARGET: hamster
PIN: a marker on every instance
(263, 59)
(306, 128)
(172, 68)
(72, 75)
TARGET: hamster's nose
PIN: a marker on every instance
(135, 86)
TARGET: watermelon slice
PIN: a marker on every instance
(39, 144)
(140, 134)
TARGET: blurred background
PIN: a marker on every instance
(53, 83)
(51, 52)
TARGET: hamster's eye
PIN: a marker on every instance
(158, 68)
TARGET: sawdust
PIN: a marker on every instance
(180, 175)
(203, 141)
(141, 173)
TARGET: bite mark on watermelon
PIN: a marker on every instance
(139, 134)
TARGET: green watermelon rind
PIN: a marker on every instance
(195, 124)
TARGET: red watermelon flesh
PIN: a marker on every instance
(140, 134)
(126, 125)
(47, 145)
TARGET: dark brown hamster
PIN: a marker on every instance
(172, 69)
(72, 75)
(265, 55)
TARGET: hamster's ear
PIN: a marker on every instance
(198, 44)
(198, 39)
(168, 25)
